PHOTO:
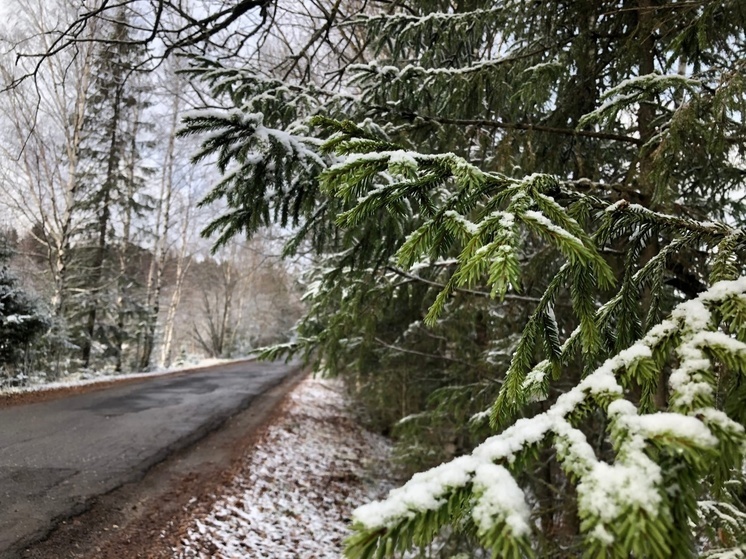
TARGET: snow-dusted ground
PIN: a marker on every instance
(297, 488)
(38, 384)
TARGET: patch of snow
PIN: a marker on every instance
(403, 158)
(85, 379)
(499, 496)
(297, 488)
(469, 227)
(547, 224)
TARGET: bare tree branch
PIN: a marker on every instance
(156, 33)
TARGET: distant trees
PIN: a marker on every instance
(247, 299)
(101, 187)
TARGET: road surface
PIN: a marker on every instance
(56, 455)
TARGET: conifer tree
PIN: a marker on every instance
(114, 176)
(557, 183)
(22, 318)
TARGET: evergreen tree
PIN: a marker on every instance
(21, 316)
(528, 216)
(113, 180)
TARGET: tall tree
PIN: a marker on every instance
(548, 181)
(163, 223)
(113, 161)
(183, 257)
(42, 142)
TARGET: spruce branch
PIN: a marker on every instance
(630, 515)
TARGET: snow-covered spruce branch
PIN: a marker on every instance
(393, 23)
(483, 214)
(268, 172)
(490, 243)
(677, 223)
(490, 124)
(237, 136)
(246, 85)
(636, 90)
(525, 383)
(625, 506)
(429, 75)
(534, 384)
(640, 213)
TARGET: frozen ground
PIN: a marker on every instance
(39, 384)
(296, 490)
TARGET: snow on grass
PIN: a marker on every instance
(298, 487)
(39, 384)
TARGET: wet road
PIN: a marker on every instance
(56, 455)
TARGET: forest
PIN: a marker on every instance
(103, 266)
(517, 230)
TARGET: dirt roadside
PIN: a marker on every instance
(147, 518)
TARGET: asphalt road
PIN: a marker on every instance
(56, 455)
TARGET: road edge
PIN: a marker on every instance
(127, 521)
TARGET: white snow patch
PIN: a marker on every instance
(500, 496)
(88, 378)
(297, 488)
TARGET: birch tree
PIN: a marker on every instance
(161, 236)
(183, 262)
(44, 130)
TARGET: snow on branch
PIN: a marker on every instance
(636, 90)
(411, 71)
(634, 485)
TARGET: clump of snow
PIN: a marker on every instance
(608, 490)
(617, 205)
(471, 228)
(500, 497)
(675, 425)
(423, 492)
(547, 224)
(507, 219)
(297, 488)
(404, 159)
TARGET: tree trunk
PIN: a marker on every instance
(182, 266)
(163, 224)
